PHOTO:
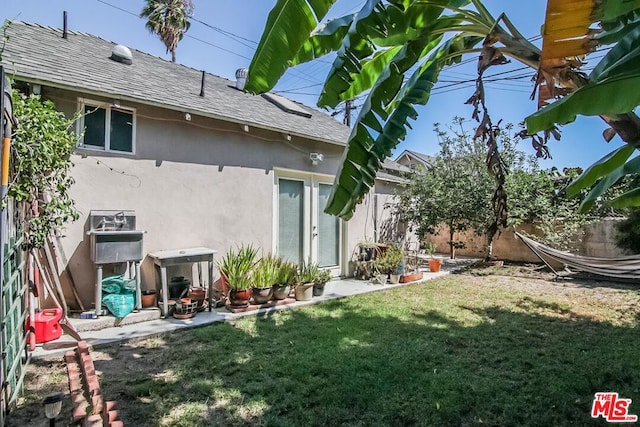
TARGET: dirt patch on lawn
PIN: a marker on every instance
(129, 362)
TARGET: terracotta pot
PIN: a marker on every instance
(435, 265)
(262, 295)
(410, 277)
(198, 295)
(304, 292)
(148, 299)
(281, 291)
(239, 297)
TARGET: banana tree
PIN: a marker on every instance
(394, 50)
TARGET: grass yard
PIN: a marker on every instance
(505, 348)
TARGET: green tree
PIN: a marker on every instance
(628, 232)
(454, 191)
(41, 151)
(169, 20)
(394, 51)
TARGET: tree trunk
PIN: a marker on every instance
(173, 55)
(452, 249)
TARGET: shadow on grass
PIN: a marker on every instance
(342, 363)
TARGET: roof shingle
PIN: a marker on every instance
(81, 62)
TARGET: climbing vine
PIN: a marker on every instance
(41, 151)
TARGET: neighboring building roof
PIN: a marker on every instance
(395, 166)
(393, 172)
(38, 54)
(383, 176)
(414, 156)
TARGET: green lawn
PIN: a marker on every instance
(462, 350)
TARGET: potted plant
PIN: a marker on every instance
(236, 266)
(287, 272)
(319, 281)
(306, 274)
(434, 263)
(390, 262)
(265, 275)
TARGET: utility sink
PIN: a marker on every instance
(111, 246)
(113, 237)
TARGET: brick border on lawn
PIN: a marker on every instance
(89, 405)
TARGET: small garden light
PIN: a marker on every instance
(52, 407)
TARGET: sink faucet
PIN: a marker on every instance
(119, 219)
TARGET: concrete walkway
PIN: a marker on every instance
(333, 290)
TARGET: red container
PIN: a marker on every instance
(47, 325)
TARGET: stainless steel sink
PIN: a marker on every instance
(111, 246)
(114, 237)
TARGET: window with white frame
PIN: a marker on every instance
(107, 127)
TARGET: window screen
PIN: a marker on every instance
(121, 136)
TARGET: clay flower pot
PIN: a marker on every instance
(262, 295)
(239, 297)
(435, 265)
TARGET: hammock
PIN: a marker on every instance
(626, 267)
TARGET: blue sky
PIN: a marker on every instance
(226, 36)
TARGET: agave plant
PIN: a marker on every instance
(266, 272)
(307, 272)
(287, 273)
(238, 265)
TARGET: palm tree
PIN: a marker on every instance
(393, 51)
(169, 19)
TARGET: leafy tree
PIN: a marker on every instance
(628, 232)
(455, 191)
(394, 51)
(169, 19)
(41, 150)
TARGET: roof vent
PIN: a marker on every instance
(241, 77)
(122, 54)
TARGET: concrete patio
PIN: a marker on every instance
(147, 322)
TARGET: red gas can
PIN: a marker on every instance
(47, 325)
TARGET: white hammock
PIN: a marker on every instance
(625, 267)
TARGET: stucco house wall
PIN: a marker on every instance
(191, 183)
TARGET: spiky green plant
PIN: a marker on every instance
(266, 272)
(287, 273)
(238, 265)
(307, 272)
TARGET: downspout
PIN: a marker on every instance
(375, 215)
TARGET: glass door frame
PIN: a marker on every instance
(311, 183)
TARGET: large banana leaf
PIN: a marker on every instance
(378, 26)
(288, 27)
(602, 167)
(377, 131)
(607, 93)
(629, 168)
(630, 199)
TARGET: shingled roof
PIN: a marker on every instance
(38, 54)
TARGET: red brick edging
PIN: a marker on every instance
(89, 406)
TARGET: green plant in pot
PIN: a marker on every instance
(237, 266)
(320, 281)
(434, 263)
(390, 263)
(307, 272)
(265, 275)
(287, 276)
